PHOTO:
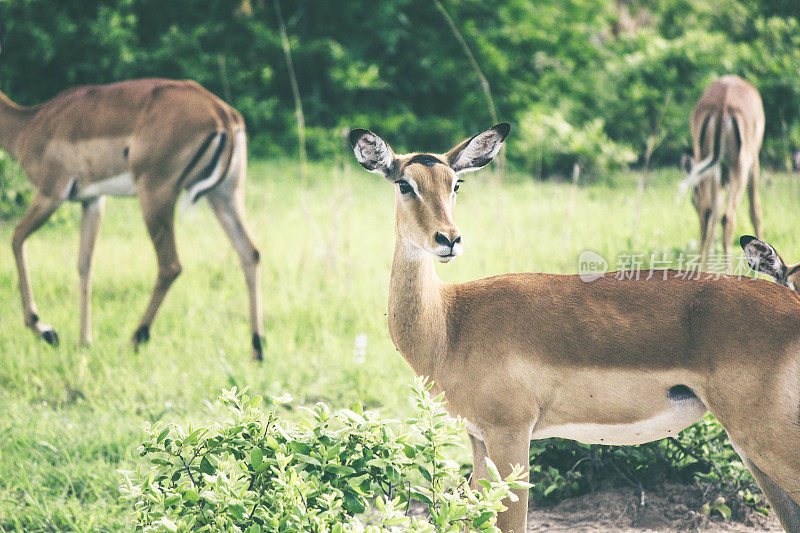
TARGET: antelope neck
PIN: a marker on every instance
(417, 321)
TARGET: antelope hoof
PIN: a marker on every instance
(141, 336)
(49, 335)
(258, 352)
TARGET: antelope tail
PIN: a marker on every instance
(700, 171)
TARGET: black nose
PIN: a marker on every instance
(442, 239)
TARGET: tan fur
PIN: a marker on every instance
(732, 110)
(522, 355)
(152, 138)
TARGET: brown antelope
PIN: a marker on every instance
(727, 130)
(149, 138)
(611, 361)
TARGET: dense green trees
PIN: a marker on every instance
(587, 81)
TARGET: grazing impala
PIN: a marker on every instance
(727, 130)
(610, 361)
(148, 138)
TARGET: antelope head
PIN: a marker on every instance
(765, 259)
(426, 185)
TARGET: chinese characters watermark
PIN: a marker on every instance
(646, 266)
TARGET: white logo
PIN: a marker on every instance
(591, 266)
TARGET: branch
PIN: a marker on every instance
(487, 91)
(298, 104)
(223, 74)
(196, 486)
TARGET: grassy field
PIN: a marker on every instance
(71, 416)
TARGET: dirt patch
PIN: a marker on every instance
(667, 508)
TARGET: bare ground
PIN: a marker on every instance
(667, 508)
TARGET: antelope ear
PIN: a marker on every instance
(478, 151)
(372, 152)
(763, 258)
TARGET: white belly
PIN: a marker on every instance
(119, 185)
(667, 423)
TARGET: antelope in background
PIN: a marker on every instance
(149, 138)
(727, 130)
(611, 361)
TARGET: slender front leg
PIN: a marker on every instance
(92, 216)
(755, 199)
(782, 503)
(506, 448)
(158, 207)
(787, 510)
(479, 455)
(735, 194)
(229, 209)
(37, 214)
(711, 224)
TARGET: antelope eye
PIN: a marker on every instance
(458, 184)
(405, 188)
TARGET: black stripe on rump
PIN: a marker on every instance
(206, 171)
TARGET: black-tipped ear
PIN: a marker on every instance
(372, 152)
(744, 240)
(763, 258)
(355, 134)
(479, 150)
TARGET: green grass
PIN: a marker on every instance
(71, 416)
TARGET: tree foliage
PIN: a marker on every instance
(396, 67)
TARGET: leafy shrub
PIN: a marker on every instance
(255, 471)
(701, 453)
(14, 190)
(548, 144)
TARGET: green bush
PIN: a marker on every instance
(405, 75)
(548, 144)
(255, 471)
(701, 454)
(15, 192)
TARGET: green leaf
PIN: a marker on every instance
(206, 467)
(307, 459)
(256, 457)
(494, 474)
(353, 504)
(168, 524)
(723, 510)
(237, 511)
(424, 472)
(163, 435)
(255, 401)
(482, 519)
(420, 496)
